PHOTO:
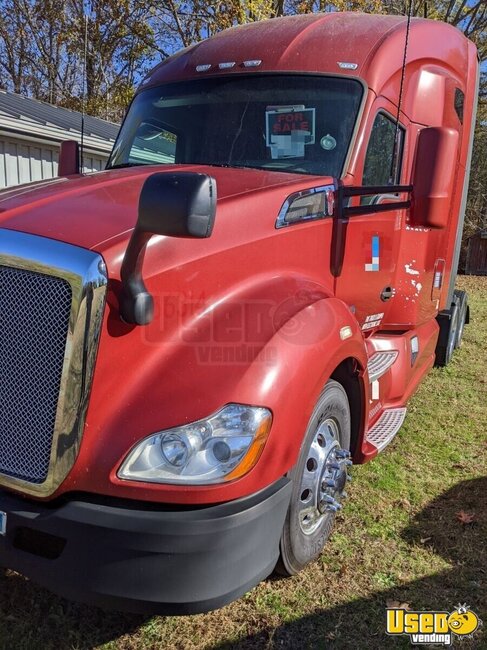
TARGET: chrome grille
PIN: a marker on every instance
(34, 320)
(52, 298)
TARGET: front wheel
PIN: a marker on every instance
(319, 480)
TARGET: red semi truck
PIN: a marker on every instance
(197, 343)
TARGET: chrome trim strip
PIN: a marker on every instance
(329, 201)
(85, 271)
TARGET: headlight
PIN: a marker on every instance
(221, 448)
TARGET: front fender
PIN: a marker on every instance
(287, 376)
(304, 354)
(144, 385)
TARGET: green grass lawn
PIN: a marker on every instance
(398, 539)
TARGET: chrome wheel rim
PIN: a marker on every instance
(324, 477)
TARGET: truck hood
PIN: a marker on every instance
(88, 210)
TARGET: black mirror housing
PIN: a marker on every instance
(180, 204)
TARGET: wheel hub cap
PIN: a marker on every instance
(324, 477)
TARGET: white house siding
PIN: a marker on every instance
(93, 163)
(23, 161)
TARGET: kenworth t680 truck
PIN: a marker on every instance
(198, 342)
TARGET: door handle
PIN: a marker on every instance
(386, 293)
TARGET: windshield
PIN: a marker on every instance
(291, 123)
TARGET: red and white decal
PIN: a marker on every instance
(374, 320)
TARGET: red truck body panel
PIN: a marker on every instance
(202, 349)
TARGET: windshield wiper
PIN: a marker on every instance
(127, 164)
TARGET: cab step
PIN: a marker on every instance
(386, 427)
(380, 362)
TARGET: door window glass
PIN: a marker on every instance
(379, 168)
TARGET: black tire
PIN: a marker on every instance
(462, 316)
(448, 335)
(452, 336)
(297, 547)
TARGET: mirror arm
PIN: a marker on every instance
(343, 212)
(178, 204)
(366, 190)
(136, 303)
(379, 207)
(339, 234)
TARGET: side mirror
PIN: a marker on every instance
(181, 204)
(69, 163)
(434, 176)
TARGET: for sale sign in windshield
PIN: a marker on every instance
(289, 129)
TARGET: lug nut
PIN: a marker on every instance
(342, 453)
(334, 466)
(328, 498)
(329, 503)
(328, 483)
(347, 461)
(335, 507)
(349, 478)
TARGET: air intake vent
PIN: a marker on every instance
(34, 319)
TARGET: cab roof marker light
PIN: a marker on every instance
(226, 65)
(252, 63)
(203, 67)
(346, 65)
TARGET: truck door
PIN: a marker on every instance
(372, 242)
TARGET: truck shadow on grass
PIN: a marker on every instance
(31, 617)
(361, 623)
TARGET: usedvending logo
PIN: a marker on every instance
(439, 628)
